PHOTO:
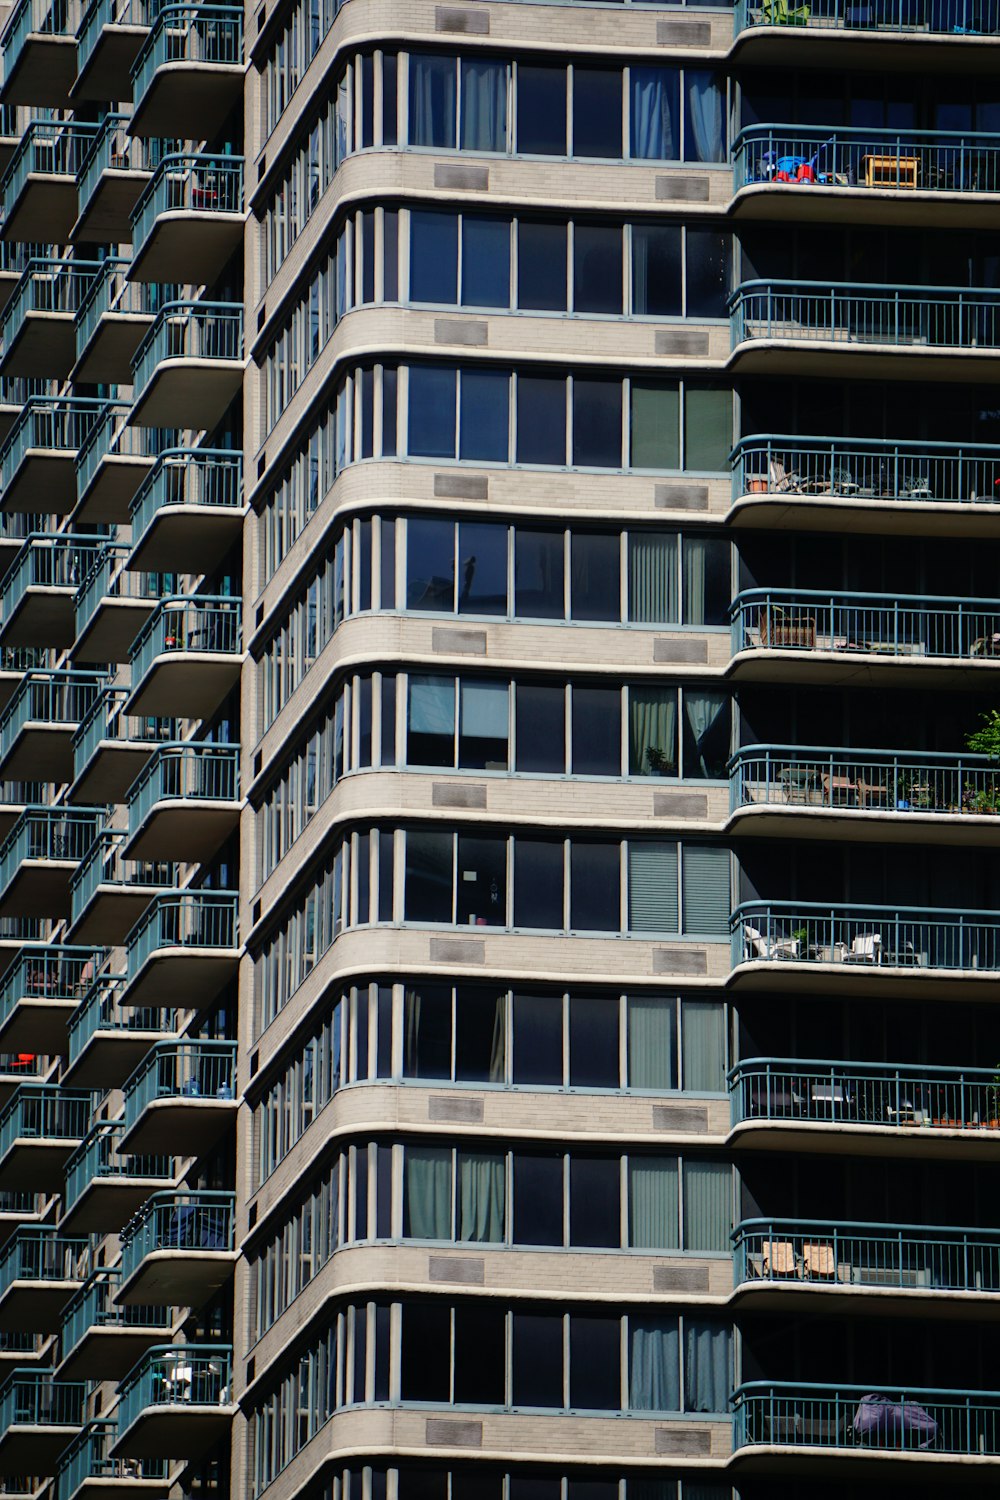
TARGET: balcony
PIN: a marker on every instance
(39, 53)
(107, 44)
(894, 951)
(14, 532)
(185, 803)
(787, 1263)
(107, 1040)
(779, 791)
(38, 332)
(15, 796)
(112, 606)
(182, 1097)
(14, 259)
(187, 659)
(37, 598)
(102, 1341)
(39, 993)
(914, 178)
(110, 466)
(186, 945)
(774, 34)
(188, 511)
(873, 332)
(786, 635)
(774, 1417)
(113, 318)
(15, 1069)
(881, 1109)
(110, 893)
(38, 1417)
(40, 854)
(104, 1185)
(189, 74)
(38, 459)
(39, 192)
(179, 1250)
(880, 488)
(18, 1350)
(112, 176)
(110, 747)
(176, 1401)
(189, 221)
(13, 394)
(39, 1272)
(40, 1129)
(10, 135)
(38, 725)
(87, 1470)
(189, 366)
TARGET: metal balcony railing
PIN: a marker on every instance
(108, 578)
(44, 1111)
(40, 1253)
(193, 181)
(856, 315)
(900, 1257)
(189, 919)
(37, 18)
(15, 255)
(111, 293)
(854, 469)
(169, 1374)
(904, 625)
(22, 1065)
(897, 1095)
(896, 1419)
(97, 1159)
(110, 437)
(180, 1070)
(105, 721)
(93, 1306)
(48, 561)
(33, 1398)
(110, 148)
(49, 972)
(48, 833)
(88, 1458)
(862, 780)
(103, 865)
(189, 330)
(102, 1010)
(54, 426)
(866, 937)
(195, 623)
(196, 1221)
(56, 698)
(97, 15)
(192, 34)
(49, 148)
(210, 477)
(943, 17)
(46, 286)
(193, 772)
(949, 161)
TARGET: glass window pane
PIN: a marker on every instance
(655, 111)
(482, 881)
(707, 580)
(597, 112)
(433, 257)
(484, 105)
(708, 1379)
(595, 1362)
(597, 731)
(597, 423)
(482, 742)
(595, 890)
(704, 116)
(425, 1354)
(541, 420)
(485, 262)
(597, 269)
(541, 266)
(707, 1205)
(595, 591)
(482, 564)
(654, 1364)
(653, 1203)
(539, 574)
(595, 1201)
(538, 883)
(656, 270)
(431, 427)
(485, 417)
(432, 101)
(480, 1036)
(703, 1045)
(480, 1353)
(427, 1193)
(430, 564)
(482, 1199)
(537, 1039)
(540, 728)
(707, 898)
(652, 887)
(430, 739)
(541, 110)
(653, 591)
(593, 1042)
(708, 273)
(655, 425)
(538, 1199)
(652, 731)
(706, 734)
(427, 895)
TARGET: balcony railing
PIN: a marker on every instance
(198, 1222)
(189, 1374)
(37, 18)
(46, 286)
(194, 772)
(88, 1463)
(209, 477)
(49, 972)
(190, 919)
(853, 1417)
(866, 937)
(191, 34)
(97, 15)
(900, 1257)
(904, 625)
(195, 623)
(894, 1095)
(48, 561)
(943, 17)
(48, 833)
(110, 148)
(105, 721)
(97, 1159)
(180, 1070)
(52, 698)
(49, 148)
(858, 470)
(194, 182)
(38, 1253)
(189, 330)
(102, 1010)
(862, 780)
(111, 293)
(930, 161)
(110, 437)
(31, 1398)
(103, 865)
(54, 426)
(108, 578)
(44, 1111)
(857, 315)
(93, 1306)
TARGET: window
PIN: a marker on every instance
(537, 1039)
(538, 883)
(541, 110)
(595, 897)
(597, 268)
(484, 416)
(431, 430)
(541, 728)
(538, 1198)
(704, 116)
(481, 895)
(430, 737)
(654, 434)
(430, 564)
(433, 101)
(595, 1202)
(652, 887)
(595, 585)
(482, 742)
(597, 112)
(708, 430)
(484, 105)
(597, 423)
(541, 266)
(433, 257)
(597, 749)
(541, 420)
(655, 122)
(485, 262)
(539, 574)
(656, 271)
(482, 568)
(428, 877)
(595, 1362)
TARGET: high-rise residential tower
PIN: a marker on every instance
(499, 596)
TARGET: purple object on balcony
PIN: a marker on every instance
(901, 1423)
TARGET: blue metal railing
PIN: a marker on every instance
(50, 561)
(192, 771)
(180, 1070)
(188, 330)
(209, 477)
(49, 148)
(49, 972)
(105, 722)
(31, 1398)
(853, 468)
(897, 1095)
(856, 314)
(97, 15)
(46, 285)
(61, 834)
(88, 1457)
(51, 698)
(110, 149)
(894, 1419)
(108, 578)
(897, 1256)
(191, 181)
(191, 919)
(941, 17)
(187, 622)
(112, 294)
(104, 865)
(36, 18)
(44, 1111)
(97, 1158)
(190, 34)
(102, 1010)
(40, 1253)
(193, 1375)
(904, 625)
(929, 160)
(862, 780)
(866, 936)
(56, 426)
(178, 1222)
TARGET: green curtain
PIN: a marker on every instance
(653, 1216)
(652, 1042)
(708, 1198)
(480, 1197)
(655, 426)
(427, 1183)
(703, 1046)
(652, 578)
(652, 728)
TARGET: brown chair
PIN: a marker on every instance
(818, 1261)
(779, 1258)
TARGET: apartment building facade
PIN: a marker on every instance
(497, 940)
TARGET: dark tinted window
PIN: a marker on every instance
(433, 257)
(593, 1042)
(427, 1032)
(595, 1363)
(538, 1200)
(597, 112)
(479, 1354)
(428, 876)
(597, 269)
(537, 1039)
(432, 412)
(485, 262)
(541, 420)
(541, 266)
(539, 574)
(538, 883)
(541, 110)
(597, 423)
(426, 1352)
(482, 881)
(594, 1201)
(479, 1036)
(656, 270)
(484, 413)
(595, 577)
(597, 732)
(595, 887)
(482, 568)
(540, 728)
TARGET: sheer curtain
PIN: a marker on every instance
(654, 1360)
(702, 710)
(695, 561)
(652, 1043)
(707, 1366)
(655, 94)
(654, 1219)
(432, 101)
(484, 106)
(703, 1044)
(652, 728)
(653, 578)
(428, 1194)
(480, 1197)
(708, 1199)
(704, 99)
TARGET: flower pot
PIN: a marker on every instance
(756, 486)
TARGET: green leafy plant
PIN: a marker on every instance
(657, 760)
(986, 741)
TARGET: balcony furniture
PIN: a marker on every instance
(986, 645)
(784, 627)
(839, 791)
(865, 949)
(875, 794)
(899, 1423)
(779, 1258)
(890, 171)
(818, 1260)
(771, 948)
(799, 784)
(781, 481)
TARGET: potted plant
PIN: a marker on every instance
(658, 763)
